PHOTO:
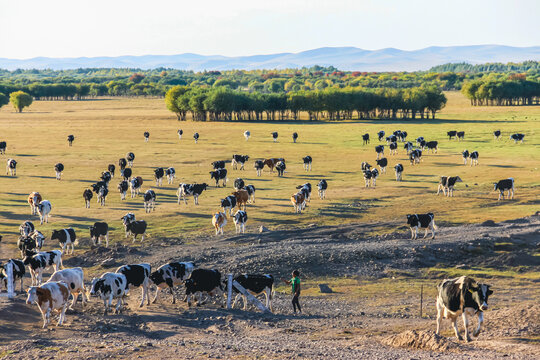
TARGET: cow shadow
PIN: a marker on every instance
(42, 176)
(503, 166)
(13, 216)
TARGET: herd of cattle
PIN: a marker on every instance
(462, 296)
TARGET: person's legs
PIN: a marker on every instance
(296, 303)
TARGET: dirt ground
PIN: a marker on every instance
(373, 312)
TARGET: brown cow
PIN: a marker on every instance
(34, 199)
(271, 163)
(242, 198)
(298, 201)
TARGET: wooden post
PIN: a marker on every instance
(229, 290)
(10, 280)
(421, 298)
(251, 298)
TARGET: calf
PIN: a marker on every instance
(170, 173)
(256, 284)
(242, 198)
(381, 134)
(135, 186)
(462, 296)
(433, 146)
(180, 132)
(219, 164)
(399, 171)
(460, 135)
(274, 136)
(424, 221)
(379, 149)
(99, 230)
(505, 185)
(137, 276)
(194, 190)
(123, 188)
(87, 196)
(171, 275)
(219, 220)
(251, 193)
(70, 139)
(18, 273)
(110, 286)
(240, 219)
(58, 168)
(158, 175)
(33, 199)
(258, 166)
(203, 281)
(271, 163)
(220, 174)
(3, 147)
(307, 163)
(48, 297)
(294, 137)
(239, 160)
(474, 158)
(11, 167)
(122, 163)
(408, 147)
(365, 139)
(239, 184)
(44, 209)
(228, 204)
(383, 163)
(65, 237)
(247, 134)
(298, 202)
(393, 148)
(322, 186)
(280, 167)
(497, 134)
(26, 228)
(451, 134)
(446, 184)
(126, 173)
(196, 137)
(149, 200)
(465, 154)
(130, 157)
(111, 168)
(146, 136)
(74, 279)
(41, 261)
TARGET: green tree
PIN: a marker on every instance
(20, 100)
(4, 100)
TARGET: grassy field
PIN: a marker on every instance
(106, 129)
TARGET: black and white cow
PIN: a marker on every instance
(3, 146)
(305, 189)
(474, 158)
(423, 144)
(170, 173)
(251, 193)
(102, 195)
(505, 185)
(374, 176)
(258, 166)
(99, 230)
(39, 238)
(70, 139)
(228, 204)
(19, 271)
(41, 261)
(460, 135)
(419, 140)
(123, 187)
(247, 134)
(451, 134)
(255, 284)
(462, 296)
(135, 186)
(239, 160)
(399, 171)
(180, 132)
(171, 275)
(146, 136)
(465, 154)
(122, 163)
(391, 139)
(218, 164)
(108, 287)
(128, 218)
(58, 168)
(294, 137)
(158, 175)
(408, 146)
(280, 167)
(137, 275)
(98, 186)
(149, 200)
(423, 221)
(433, 146)
(203, 281)
(308, 160)
(393, 148)
(196, 137)
(130, 157)
(44, 209)
(381, 134)
(365, 166)
(379, 149)
(383, 163)
(220, 174)
(126, 173)
(194, 190)
(135, 228)
(239, 184)
(240, 219)
(274, 136)
(447, 183)
(111, 168)
(106, 177)
(11, 167)
(415, 156)
(66, 238)
(367, 177)
(26, 228)
(402, 136)
(365, 139)
(27, 245)
(322, 186)
(497, 134)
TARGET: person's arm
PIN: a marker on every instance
(286, 281)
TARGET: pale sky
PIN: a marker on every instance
(72, 28)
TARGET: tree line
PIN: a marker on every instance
(515, 90)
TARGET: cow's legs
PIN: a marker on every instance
(456, 330)
(511, 191)
(439, 318)
(62, 315)
(466, 326)
(480, 321)
(118, 305)
(412, 234)
(432, 227)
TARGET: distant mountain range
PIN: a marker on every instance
(343, 58)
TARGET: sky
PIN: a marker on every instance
(73, 28)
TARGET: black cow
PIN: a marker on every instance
(18, 273)
(146, 136)
(474, 158)
(274, 136)
(408, 146)
(258, 165)
(403, 136)
(423, 144)
(294, 137)
(130, 157)
(106, 177)
(367, 177)
(419, 140)
(383, 163)
(308, 160)
(101, 189)
(460, 135)
(111, 168)
(280, 167)
(393, 148)
(137, 275)
(27, 245)
(228, 204)
(322, 186)
(87, 196)
(433, 146)
(497, 134)
(65, 237)
(239, 184)
(70, 139)
(365, 139)
(126, 173)
(3, 146)
(98, 230)
(123, 187)
(135, 228)
(517, 137)
(379, 149)
(196, 137)
(239, 160)
(423, 221)
(505, 185)
(58, 168)
(365, 166)
(381, 134)
(26, 228)
(465, 154)
(399, 171)
(219, 164)
(415, 156)
(122, 163)
(159, 173)
(451, 134)
(462, 296)
(255, 284)
(171, 275)
(447, 183)
(220, 174)
(203, 281)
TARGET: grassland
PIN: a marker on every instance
(106, 129)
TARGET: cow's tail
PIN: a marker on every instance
(434, 226)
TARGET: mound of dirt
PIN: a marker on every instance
(520, 320)
(422, 340)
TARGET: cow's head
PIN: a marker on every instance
(458, 179)
(190, 286)
(55, 235)
(480, 294)
(95, 287)
(410, 218)
(33, 293)
(204, 186)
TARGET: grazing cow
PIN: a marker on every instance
(38, 238)
(135, 228)
(423, 221)
(149, 200)
(111, 168)
(419, 140)
(381, 134)
(374, 176)
(451, 134)
(383, 163)
(239, 184)
(102, 195)
(135, 186)
(58, 168)
(505, 185)
(305, 189)
(130, 157)
(196, 137)
(240, 219)
(391, 139)
(247, 134)
(158, 175)
(122, 163)
(474, 158)
(433, 146)
(408, 147)
(460, 135)
(27, 245)
(126, 173)
(366, 166)
(106, 177)
(74, 279)
(298, 202)
(41, 261)
(137, 275)
(19, 271)
(242, 198)
(146, 136)
(402, 136)
(26, 228)
(170, 173)
(110, 286)
(123, 188)
(393, 148)
(220, 174)
(497, 134)
(271, 163)
(274, 136)
(239, 160)
(219, 220)
(171, 275)
(218, 164)
(44, 209)
(379, 149)
(462, 296)
(423, 144)
(447, 183)
(48, 297)
(294, 137)
(322, 186)
(415, 156)
(180, 132)
(99, 230)
(11, 167)
(399, 171)
(33, 199)
(203, 281)
(517, 137)
(251, 193)
(70, 139)
(365, 139)
(3, 147)
(465, 154)
(280, 167)
(65, 237)
(307, 162)
(87, 196)
(256, 284)
(258, 166)
(194, 190)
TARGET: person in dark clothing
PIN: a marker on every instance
(295, 285)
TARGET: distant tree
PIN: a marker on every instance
(172, 101)
(163, 73)
(136, 78)
(4, 100)
(20, 100)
